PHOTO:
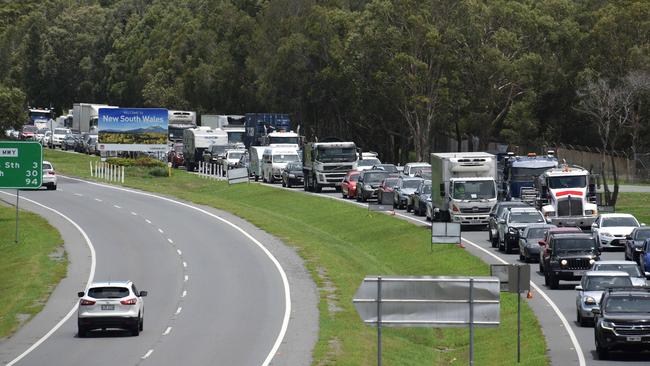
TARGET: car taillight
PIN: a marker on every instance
(128, 302)
(51, 173)
(86, 302)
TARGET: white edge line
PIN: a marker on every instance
(133, 213)
(146, 355)
(185, 264)
(572, 336)
(148, 221)
(167, 331)
(187, 278)
(178, 311)
(98, 200)
(283, 275)
(74, 308)
(179, 252)
(161, 231)
(574, 340)
(184, 293)
(170, 241)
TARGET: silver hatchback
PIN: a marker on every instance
(591, 289)
(114, 304)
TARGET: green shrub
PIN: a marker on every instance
(158, 172)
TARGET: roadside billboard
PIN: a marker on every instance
(133, 129)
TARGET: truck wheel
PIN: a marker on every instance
(317, 187)
(288, 184)
(257, 178)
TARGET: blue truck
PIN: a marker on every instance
(258, 125)
(520, 172)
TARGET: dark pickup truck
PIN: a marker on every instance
(622, 322)
(567, 257)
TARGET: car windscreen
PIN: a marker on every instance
(390, 182)
(285, 158)
(294, 166)
(108, 292)
(567, 182)
(527, 174)
(388, 168)
(30, 129)
(411, 183)
(575, 244)
(61, 131)
(374, 177)
(235, 155)
(628, 304)
(465, 190)
(426, 189)
(526, 217)
(595, 283)
(632, 269)
(619, 221)
(537, 232)
(368, 162)
(642, 235)
(47, 166)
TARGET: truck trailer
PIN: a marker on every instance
(85, 117)
(197, 140)
(463, 187)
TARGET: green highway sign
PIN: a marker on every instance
(21, 165)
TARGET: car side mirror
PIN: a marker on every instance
(502, 221)
(578, 288)
(628, 237)
(595, 311)
(143, 293)
(594, 226)
(81, 294)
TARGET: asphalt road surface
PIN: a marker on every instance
(217, 295)
(555, 309)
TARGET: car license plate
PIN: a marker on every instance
(108, 307)
(634, 339)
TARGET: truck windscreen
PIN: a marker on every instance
(466, 190)
(579, 181)
(337, 154)
(526, 174)
(283, 140)
(285, 158)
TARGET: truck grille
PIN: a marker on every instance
(569, 207)
(471, 210)
(632, 329)
(578, 263)
(341, 168)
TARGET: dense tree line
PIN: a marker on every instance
(394, 75)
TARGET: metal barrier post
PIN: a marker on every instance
(471, 321)
(518, 313)
(379, 321)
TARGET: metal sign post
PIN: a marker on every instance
(17, 196)
(518, 317)
(436, 302)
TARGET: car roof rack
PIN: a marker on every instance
(628, 288)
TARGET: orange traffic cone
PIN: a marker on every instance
(460, 245)
(529, 295)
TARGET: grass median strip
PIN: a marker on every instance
(29, 270)
(341, 244)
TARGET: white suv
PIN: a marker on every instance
(115, 304)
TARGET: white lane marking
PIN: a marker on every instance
(170, 241)
(116, 206)
(178, 311)
(167, 331)
(146, 355)
(565, 323)
(185, 264)
(78, 194)
(148, 221)
(187, 278)
(161, 231)
(91, 276)
(133, 213)
(184, 293)
(179, 252)
(98, 200)
(283, 275)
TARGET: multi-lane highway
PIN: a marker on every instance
(568, 343)
(221, 292)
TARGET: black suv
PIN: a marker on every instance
(368, 184)
(495, 213)
(568, 256)
(622, 322)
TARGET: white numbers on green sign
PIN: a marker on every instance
(32, 173)
(32, 182)
(34, 165)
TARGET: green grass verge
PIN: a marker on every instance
(341, 244)
(29, 270)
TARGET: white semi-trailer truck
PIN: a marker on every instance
(85, 117)
(326, 163)
(463, 187)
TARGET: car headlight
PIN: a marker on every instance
(607, 324)
(367, 186)
(429, 199)
(292, 175)
(605, 233)
(591, 212)
(590, 300)
(512, 230)
(638, 249)
(592, 261)
(564, 262)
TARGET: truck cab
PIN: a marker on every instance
(520, 172)
(564, 197)
(326, 163)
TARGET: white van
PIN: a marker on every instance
(274, 160)
(255, 164)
